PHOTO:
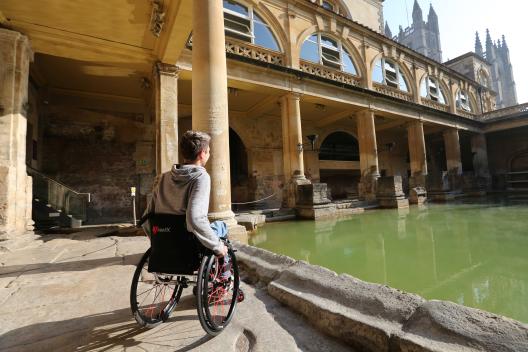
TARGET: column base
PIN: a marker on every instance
(289, 199)
(390, 193)
(236, 232)
(417, 189)
(367, 188)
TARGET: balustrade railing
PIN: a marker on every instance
(59, 196)
(497, 114)
(435, 105)
(393, 92)
(329, 73)
(251, 51)
(467, 114)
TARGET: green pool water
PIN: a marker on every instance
(472, 253)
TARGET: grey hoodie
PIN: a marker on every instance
(185, 190)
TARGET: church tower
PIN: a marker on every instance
(498, 56)
(421, 36)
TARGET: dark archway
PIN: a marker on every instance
(340, 147)
(238, 168)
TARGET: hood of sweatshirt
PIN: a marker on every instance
(183, 174)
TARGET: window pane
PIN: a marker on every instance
(348, 64)
(233, 6)
(237, 24)
(423, 89)
(328, 5)
(377, 74)
(264, 37)
(313, 38)
(403, 84)
(330, 43)
(310, 51)
(441, 97)
(332, 55)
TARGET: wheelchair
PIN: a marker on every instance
(174, 261)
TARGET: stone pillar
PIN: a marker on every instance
(292, 153)
(166, 95)
(452, 149)
(209, 108)
(15, 184)
(418, 158)
(453, 158)
(480, 160)
(368, 155)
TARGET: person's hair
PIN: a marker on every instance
(192, 143)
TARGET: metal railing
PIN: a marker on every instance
(59, 196)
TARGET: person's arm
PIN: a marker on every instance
(197, 208)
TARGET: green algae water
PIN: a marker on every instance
(472, 253)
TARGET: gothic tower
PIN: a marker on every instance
(423, 37)
(498, 56)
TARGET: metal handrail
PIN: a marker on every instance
(33, 171)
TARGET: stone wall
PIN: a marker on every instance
(515, 143)
(100, 152)
(374, 317)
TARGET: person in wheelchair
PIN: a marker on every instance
(185, 190)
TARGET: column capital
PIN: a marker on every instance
(161, 68)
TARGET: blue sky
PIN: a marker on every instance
(459, 19)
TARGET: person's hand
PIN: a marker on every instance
(223, 251)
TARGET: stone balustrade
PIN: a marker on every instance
(393, 92)
(329, 73)
(466, 114)
(435, 105)
(497, 114)
(254, 52)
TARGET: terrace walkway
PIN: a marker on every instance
(71, 292)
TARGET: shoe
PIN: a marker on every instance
(240, 296)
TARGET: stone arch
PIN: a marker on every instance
(238, 156)
(518, 161)
(326, 132)
(348, 149)
(408, 76)
(271, 21)
(443, 86)
(351, 48)
(483, 72)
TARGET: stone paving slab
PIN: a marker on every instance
(71, 292)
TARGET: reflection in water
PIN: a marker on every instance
(469, 253)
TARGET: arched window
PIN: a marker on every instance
(462, 101)
(431, 89)
(482, 78)
(389, 73)
(326, 51)
(243, 23)
(339, 146)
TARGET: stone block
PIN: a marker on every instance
(312, 194)
(417, 195)
(314, 212)
(390, 193)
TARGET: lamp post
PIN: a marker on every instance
(133, 195)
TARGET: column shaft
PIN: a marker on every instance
(452, 149)
(417, 152)
(15, 184)
(368, 159)
(479, 148)
(166, 116)
(292, 154)
(209, 97)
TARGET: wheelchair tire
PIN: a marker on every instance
(153, 296)
(217, 297)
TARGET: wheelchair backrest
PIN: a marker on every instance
(174, 250)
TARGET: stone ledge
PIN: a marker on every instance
(373, 317)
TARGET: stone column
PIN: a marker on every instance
(209, 108)
(15, 184)
(166, 95)
(452, 149)
(453, 159)
(292, 154)
(418, 158)
(368, 155)
(480, 159)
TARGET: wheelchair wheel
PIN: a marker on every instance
(217, 294)
(153, 296)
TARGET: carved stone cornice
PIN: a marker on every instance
(161, 68)
(157, 17)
